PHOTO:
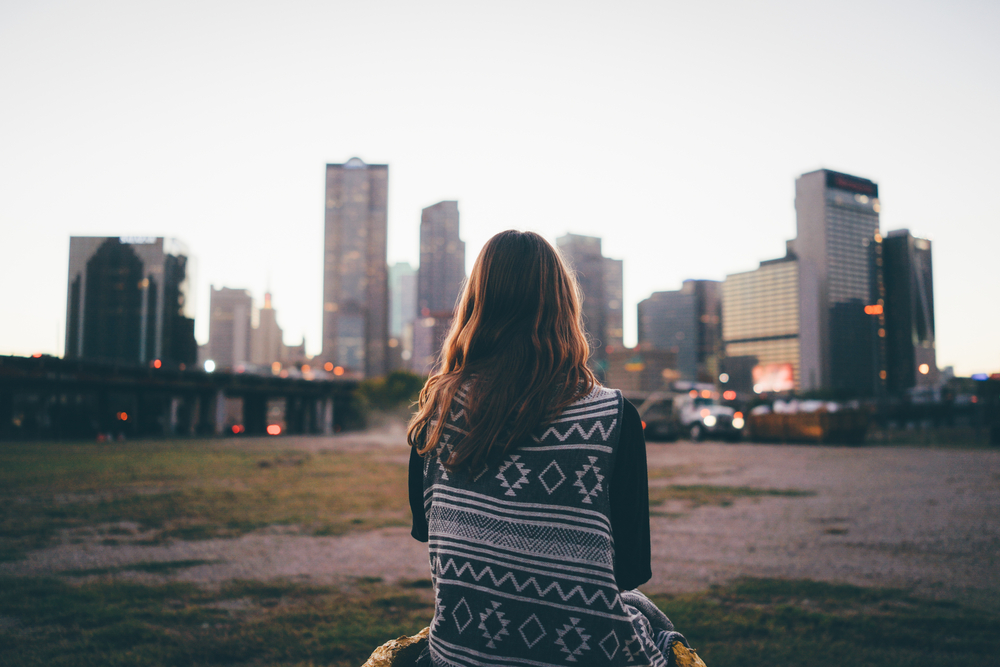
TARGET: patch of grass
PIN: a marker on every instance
(748, 623)
(704, 494)
(189, 490)
(154, 567)
(50, 622)
(768, 622)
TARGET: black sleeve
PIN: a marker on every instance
(629, 493)
(416, 484)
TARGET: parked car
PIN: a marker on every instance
(703, 417)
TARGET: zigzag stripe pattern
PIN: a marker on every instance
(586, 435)
(442, 570)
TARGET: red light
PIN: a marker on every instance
(705, 412)
(338, 370)
(273, 429)
(873, 310)
(37, 355)
(975, 399)
(236, 428)
(693, 393)
(705, 393)
(157, 363)
(738, 415)
(644, 426)
(123, 416)
(729, 395)
(328, 366)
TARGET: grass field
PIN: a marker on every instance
(157, 492)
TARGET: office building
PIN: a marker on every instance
(229, 327)
(267, 344)
(685, 322)
(402, 297)
(760, 325)
(439, 282)
(355, 284)
(442, 259)
(909, 312)
(129, 301)
(600, 280)
(614, 325)
(839, 249)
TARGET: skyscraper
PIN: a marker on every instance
(685, 322)
(909, 312)
(442, 259)
(439, 281)
(760, 321)
(614, 325)
(267, 339)
(129, 300)
(600, 280)
(839, 247)
(402, 297)
(229, 327)
(355, 285)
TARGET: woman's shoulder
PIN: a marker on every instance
(599, 394)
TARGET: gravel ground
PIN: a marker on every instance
(924, 520)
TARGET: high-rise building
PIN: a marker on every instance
(839, 249)
(760, 321)
(355, 284)
(909, 312)
(685, 322)
(442, 259)
(402, 297)
(229, 327)
(600, 280)
(614, 325)
(129, 300)
(439, 281)
(267, 344)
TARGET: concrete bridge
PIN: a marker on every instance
(53, 398)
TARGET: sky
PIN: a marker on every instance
(672, 130)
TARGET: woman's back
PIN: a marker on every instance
(522, 552)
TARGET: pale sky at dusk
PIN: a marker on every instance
(674, 131)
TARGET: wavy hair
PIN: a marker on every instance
(516, 348)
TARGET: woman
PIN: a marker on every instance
(528, 480)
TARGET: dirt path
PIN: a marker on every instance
(920, 519)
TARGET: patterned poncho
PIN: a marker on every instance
(522, 554)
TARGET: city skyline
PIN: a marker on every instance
(678, 181)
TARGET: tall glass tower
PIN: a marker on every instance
(355, 284)
(841, 295)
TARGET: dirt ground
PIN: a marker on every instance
(924, 520)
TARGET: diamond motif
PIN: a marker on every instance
(462, 608)
(551, 484)
(566, 637)
(498, 617)
(522, 473)
(536, 628)
(589, 471)
(605, 644)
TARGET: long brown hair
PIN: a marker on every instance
(518, 341)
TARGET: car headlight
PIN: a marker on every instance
(709, 420)
(738, 422)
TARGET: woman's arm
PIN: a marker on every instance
(630, 504)
(416, 489)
